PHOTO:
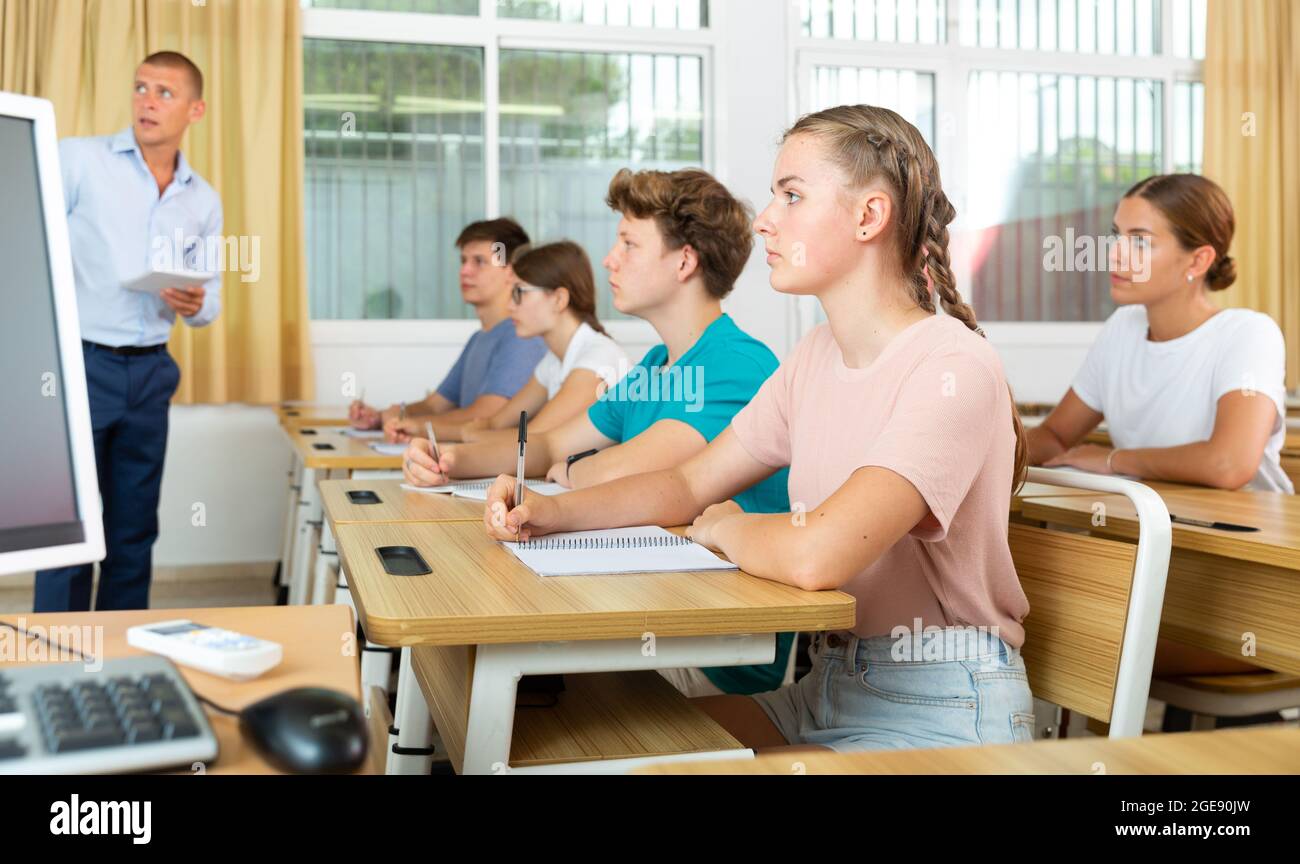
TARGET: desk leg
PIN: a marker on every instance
(376, 660)
(327, 563)
(290, 520)
(309, 512)
(498, 668)
(412, 751)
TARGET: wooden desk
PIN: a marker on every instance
(344, 454)
(318, 451)
(397, 505)
(1221, 585)
(479, 593)
(311, 637)
(481, 619)
(298, 416)
(1269, 750)
(1044, 490)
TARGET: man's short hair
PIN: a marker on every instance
(176, 60)
(509, 233)
(690, 207)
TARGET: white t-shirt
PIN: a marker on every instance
(587, 350)
(1166, 394)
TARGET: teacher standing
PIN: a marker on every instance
(131, 199)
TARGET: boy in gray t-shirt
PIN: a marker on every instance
(494, 365)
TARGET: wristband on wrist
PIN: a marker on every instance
(577, 457)
(1110, 460)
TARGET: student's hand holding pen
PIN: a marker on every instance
(538, 515)
(362, 416)
(402, 431)
(419, 467)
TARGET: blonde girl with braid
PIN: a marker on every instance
(903, 446)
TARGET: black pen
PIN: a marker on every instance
(1217, 526)
(519, 469)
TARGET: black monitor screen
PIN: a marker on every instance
(38, 504)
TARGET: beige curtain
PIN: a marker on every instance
(1252, 149)
(82, 56)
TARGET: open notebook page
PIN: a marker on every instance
(615, 551)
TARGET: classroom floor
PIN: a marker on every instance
(173, 588)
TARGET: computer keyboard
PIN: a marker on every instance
(134, 714)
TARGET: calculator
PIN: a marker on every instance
(208, 649)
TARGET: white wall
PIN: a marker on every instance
(232, 459)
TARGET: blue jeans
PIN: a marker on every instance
(965, 688)
(129, 401)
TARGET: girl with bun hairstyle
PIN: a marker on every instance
(1191, 393)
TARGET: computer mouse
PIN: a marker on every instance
(309, 730)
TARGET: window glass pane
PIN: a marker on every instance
(394, 170)
(1120, 27)
(919, 21)
(443, 7)
(1189, 126)
(1189, 28)
(570, 120)
(909, 93)
(1050, 157)
(673, 14)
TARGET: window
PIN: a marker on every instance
(917, 21)
(1049, 155)
(906, 91)
(1189, 120)
(405, 143)
(1034, 143)
(675, 14)
(442, 7)
(1119, 27)
(1189, 28)
(570, 120)
(395, 162)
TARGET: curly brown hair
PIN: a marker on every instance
(691, 208)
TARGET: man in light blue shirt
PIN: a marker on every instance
(134, 205)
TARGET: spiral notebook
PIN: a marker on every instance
(449, 489)
(615, 551)
(476, 490)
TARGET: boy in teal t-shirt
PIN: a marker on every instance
(682, 243)
(712, 381)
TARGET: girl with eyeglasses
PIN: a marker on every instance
(553, 297)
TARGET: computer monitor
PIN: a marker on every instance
(50, 515)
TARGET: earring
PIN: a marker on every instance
(1191, 278)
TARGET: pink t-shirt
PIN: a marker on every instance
(933, 408)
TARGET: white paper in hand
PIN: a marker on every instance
(157, 280)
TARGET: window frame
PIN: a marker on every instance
(493, 34)
(952, 63)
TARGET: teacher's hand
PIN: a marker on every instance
(186, 301)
